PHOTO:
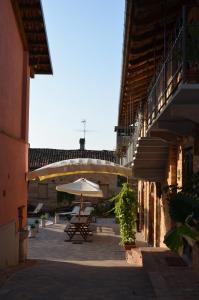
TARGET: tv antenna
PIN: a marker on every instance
(84, 130)
(84, 127)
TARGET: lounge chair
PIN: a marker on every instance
(87, 211)
(74, 212)
(36, 210)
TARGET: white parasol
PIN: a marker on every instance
(82, 187)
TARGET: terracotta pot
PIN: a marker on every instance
(129, 246)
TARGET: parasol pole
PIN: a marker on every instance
(81, 205)
(81, 202)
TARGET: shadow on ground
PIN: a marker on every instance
(169, 275)
(67, 281)
(97, 270)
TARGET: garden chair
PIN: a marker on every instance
(74, 212)
(36, 211)
(87, 211)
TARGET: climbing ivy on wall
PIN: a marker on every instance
(126, 213)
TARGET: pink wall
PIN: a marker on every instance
(13, 186)
(14, 100)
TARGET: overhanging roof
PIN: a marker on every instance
(30, 18)
(145, 24)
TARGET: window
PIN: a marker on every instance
(62, 196)
(120, 180)
(105, 189)
(42, 190)
(187, 164)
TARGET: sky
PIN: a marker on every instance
(85, 39)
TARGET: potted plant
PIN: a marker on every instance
(37, 225)
(32, 232)
(126, 214)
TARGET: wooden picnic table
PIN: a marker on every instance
(78, 225)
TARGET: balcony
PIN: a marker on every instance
(173, 98)
(150, 159)
(124, 135)
(127, 140)
(147, 155)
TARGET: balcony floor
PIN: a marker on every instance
(182, 108)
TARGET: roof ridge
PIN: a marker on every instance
(39, 157)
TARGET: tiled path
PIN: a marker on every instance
(96, 270)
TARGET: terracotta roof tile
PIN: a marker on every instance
(39, 157)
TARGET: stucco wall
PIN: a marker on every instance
(13, 185)
(51, 201)
(11, 70)
(14, 97)
(9, 254)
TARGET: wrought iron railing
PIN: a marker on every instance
(180, 66)
(127, 139)
(137, 127)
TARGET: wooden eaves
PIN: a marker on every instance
(146, 22)
(30, 18)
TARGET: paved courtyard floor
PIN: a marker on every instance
(96, 270)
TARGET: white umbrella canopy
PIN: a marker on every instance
(82, 187)
(79, 166)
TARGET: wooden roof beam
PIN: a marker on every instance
(29, 30)
(142, 83)
(144, 66)
(150, 55)
(133, 94)
(146, 36)
(155, 16)
(141, 72)
(154, 44)
(32, 19)
(138, 77)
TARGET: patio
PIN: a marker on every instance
(97, 270)
(104, 248)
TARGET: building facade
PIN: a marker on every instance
(23, 53)
(158, 121)
(45, 191)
